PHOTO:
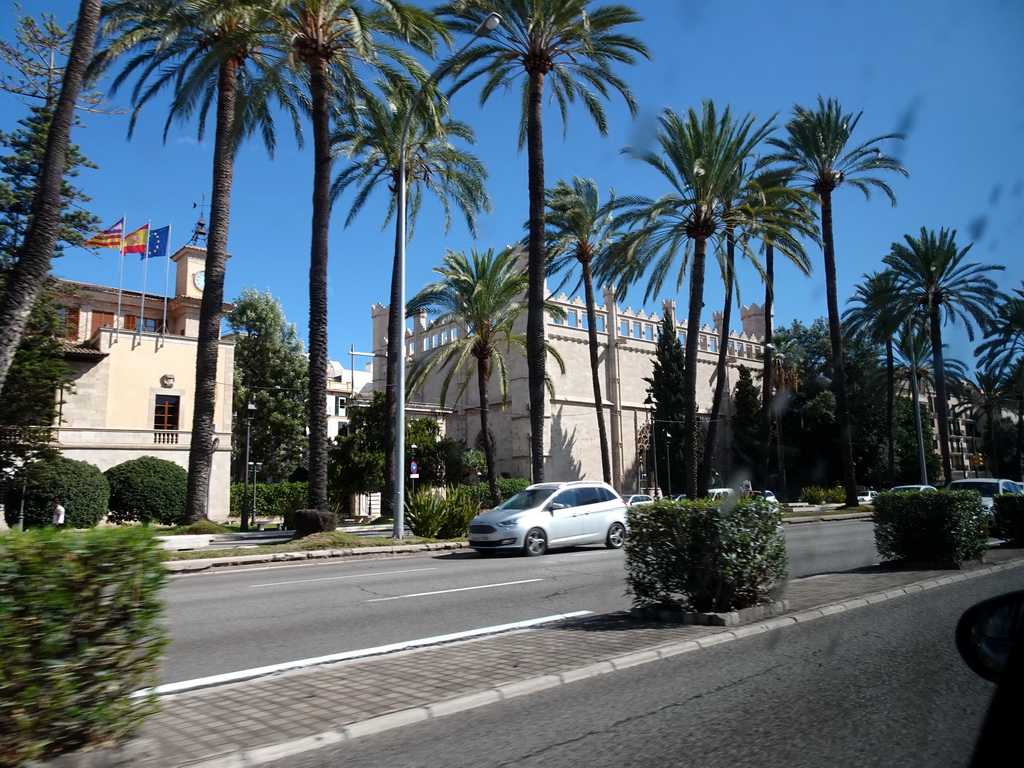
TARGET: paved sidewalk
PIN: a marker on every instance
(255, 722)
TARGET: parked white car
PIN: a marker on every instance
(987, 487)
(866, 497)
(638, 498)
(550, 515)
(912, 488)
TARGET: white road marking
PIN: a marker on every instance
(446, 591)
(349, 576)
(248, 674)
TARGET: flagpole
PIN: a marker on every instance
(145, 268)
(120, 280)
(167, 277)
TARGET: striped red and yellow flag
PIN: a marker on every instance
(108, 238)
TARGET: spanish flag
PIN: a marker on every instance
(135, 242)
(108, 238)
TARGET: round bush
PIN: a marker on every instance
(147, 489)
(78, 485)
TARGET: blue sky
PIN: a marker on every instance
(944, 72)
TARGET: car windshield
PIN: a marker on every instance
(528, 499)
(984, 487)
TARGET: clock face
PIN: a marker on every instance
(199, 280)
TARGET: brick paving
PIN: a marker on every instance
(233, 725)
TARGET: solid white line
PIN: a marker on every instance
(446, 591)
(349, 576)
(247, 674)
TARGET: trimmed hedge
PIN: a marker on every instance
(276, 500)
(507, 487)
(435, 516)
(79, 633)
(78, 485)
(704, 556)
(930, 526)
(1009, 517)
(147, 489)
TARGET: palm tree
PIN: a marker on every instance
(330, 39)
(932, 278)
(700, 157)
(433, 163)
(783, 378)
(481, 293)
(209, 53)
(815, 153)
(1004, 351)
(579, 230)
(28, 277)
(876, 314)
(571, 45)
(984, 399)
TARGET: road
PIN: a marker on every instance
(880, 685)
(252, 617)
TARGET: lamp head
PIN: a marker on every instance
(488, 25)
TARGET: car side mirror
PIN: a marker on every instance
(988, 632)
(555, 505)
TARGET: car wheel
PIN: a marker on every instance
(616, 536)
(536, 543)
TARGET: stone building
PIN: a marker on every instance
(627, 342)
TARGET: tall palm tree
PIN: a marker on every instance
(572, 45)
(579, 230)
(1004, 351)
(932, 278)
(783, 380)
(983, 399)
(815, 152)
(337, 42)
(481, 293)
(700, 156)
(28, 277)
(209, 53)
(433, 163)
(875, 313)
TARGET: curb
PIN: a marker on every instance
(245, 758)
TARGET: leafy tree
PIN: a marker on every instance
(571, 45)
(579, 229)
(1003, 351)
(667, 380)
(701, 156)
(270, 373)
(147, 489)
(330, 39)
(79, 486)
(27, 279)
(746, 420)
(433, 163)
(480, 293)
(815, 153)
(933, 279)
(907, 460)
(210, 54)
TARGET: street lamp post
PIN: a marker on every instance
(668, 463)
(250, 411)
(396, 347)
(256, 467)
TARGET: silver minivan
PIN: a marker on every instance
(550, 515)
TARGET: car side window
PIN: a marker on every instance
(566, 498)
(603, 494)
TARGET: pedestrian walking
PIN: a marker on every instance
(58, 514)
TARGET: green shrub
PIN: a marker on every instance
(435, 516)
(510, 486)
(199, 528)
(80, 632)
(703, 556)
(930, 526)
(78, 485)
(1009, 517)
(507, 487)
(147, 489)
(277, 500)
(310, 521)
(816, 494)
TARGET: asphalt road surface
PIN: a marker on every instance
(880, 685)
(251, 617)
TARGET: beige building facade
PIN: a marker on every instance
(627, 343)
(133, 359)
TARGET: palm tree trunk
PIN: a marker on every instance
(535, 352)
(200, 455)
(396, 357)
(317, 494)
(941, 405)
(33, 264)
(602, 432)
(711, 436)
(483, 375)
(766, 368)
(849, 471)
(890, 408)
(691, 425)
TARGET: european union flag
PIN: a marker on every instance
(157, 243)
